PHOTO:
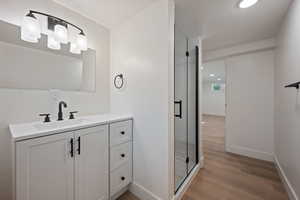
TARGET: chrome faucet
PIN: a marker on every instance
(60, 113)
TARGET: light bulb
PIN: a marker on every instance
(81, 41)
(52, 43)
(30, 29)
(74, 49)
(61, 33)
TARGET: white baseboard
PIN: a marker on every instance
(201, 162)
(214, 114)
(187, 183)
(142, 193)
(288, 186)
(250, 153)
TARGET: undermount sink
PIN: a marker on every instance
(58, 124)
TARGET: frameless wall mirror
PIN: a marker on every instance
(26, 65)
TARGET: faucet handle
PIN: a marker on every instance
(47, 117)
(72, 114)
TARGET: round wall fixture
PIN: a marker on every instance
(119, 81)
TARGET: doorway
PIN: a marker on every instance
(214, 105)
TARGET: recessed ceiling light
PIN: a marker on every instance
(202, 68)
(219, 79)
(212, 75)
(247, 3)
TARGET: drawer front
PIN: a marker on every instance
(120, 132)
(120, 178)
(120, 154)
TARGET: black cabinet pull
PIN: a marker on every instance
(123, 155)
(123, 178)
(72, 147)
(122, 132)
(180, 109)
(79, 145)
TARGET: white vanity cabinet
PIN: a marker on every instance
(88, 163)
(45, 169)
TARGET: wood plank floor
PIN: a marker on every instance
(128, 196)
(227, 176)
(231, 177)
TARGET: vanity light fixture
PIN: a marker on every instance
(61, 33)
(57, 32)
(52, 43)
(31, 29)
(247, 3)
(74, 48)
(81, 41)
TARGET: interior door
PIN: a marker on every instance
(45, 168)
(91, 163)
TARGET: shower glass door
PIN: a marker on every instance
(185, 105)
(181, 150)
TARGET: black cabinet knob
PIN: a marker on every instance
(122, 132)
(123, 178)
(123, 155)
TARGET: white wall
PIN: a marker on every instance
(213, 101)
(25, 105)
(142, 50)
(287, 103)
(250, 104)
(266, 44)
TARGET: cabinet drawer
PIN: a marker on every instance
(120, 132)
(120, 154)
(120, 178)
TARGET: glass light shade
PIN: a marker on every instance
(52, 43)
(31, 29)
(26, 37)
(74, 49)
(81, 42)
(61, 33)
(247, 3)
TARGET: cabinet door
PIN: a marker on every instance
(91, 164)
(44, 168)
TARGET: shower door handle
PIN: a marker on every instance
(180, 109)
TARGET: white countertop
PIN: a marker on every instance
(28, 130)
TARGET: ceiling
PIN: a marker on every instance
(106, 12)
(221, 23)
(217, 68)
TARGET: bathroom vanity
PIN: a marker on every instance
(89, 158)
